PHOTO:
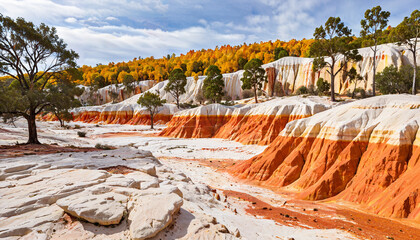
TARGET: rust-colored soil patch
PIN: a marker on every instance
(315, 215)
(9, 151)
(119, 169)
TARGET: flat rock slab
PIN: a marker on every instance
(104, 209)
(23, 224)
(152, 213)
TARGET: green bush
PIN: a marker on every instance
(322, 86)
(301, 90)
(392, 80)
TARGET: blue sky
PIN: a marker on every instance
(103, 31)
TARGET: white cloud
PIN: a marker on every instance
(71, 20)
(111, 18)
(111, 43)
(97, 29)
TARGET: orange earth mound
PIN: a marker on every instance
(250, 124)
(366, 152)
(120, 118)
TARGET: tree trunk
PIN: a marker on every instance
(332, 81)
(177, 102)
(60, 120)
(255, 95)
(414, 90)
(374, 73)
(33, 136)
(151, 121)
(354, 90)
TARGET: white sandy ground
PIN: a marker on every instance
(196, 202)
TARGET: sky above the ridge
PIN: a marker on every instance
(103, 31)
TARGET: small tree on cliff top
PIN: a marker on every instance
(176, 84)
(213, 84)
(254, 76)
(32, 56)
(374, 22)
(152, 102)
(407, 33)
(332, 40)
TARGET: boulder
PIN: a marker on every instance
(151, 213)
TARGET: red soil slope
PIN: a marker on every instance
(249, 124)
(366, 152)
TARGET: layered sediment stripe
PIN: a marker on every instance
(366, 152)
(248, 124)
(123, 114)
(201, 122)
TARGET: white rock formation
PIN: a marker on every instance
(149, 214)
(37, 193)
(293, 72)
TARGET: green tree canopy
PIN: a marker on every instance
(128, 82)
(392, 80)
(99, 82)
(152, 102)
(241, 63)
(33, 56)
(373, 24)
(176, 84)
(280, 52)
(213, 84)
(254, 76)
(331, 40)
(354, 78)
(407, 33)
(62, 97)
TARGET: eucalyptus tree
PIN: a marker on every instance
(373, 24)
(407, 33)
(332, 40)
(32, 56)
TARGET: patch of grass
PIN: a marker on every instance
(81, 134)
(77, 127)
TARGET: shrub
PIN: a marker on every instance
(103, 146)
(301, 90)
(392, 80)
(312, 90)
(81, 134)
(322, 86)
(359, 93)
(247, 93)
(187, 105)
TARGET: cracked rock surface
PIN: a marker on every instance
(116, 194)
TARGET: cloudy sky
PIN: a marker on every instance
(103, 31)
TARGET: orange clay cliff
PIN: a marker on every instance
(366, 152)
(249, 124)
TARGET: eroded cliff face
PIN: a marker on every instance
(102, 95)
(285, 76)
(249, 124)
(366, 152)
(125, 112)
